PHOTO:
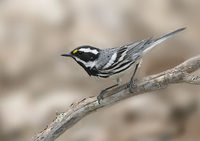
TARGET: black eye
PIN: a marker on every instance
(80, 53)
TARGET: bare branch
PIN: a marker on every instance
(78, 110)
(192, 79)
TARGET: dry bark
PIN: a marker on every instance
(179, 74)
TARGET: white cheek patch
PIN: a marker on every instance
(94, 51)
(89, 64)
(111, 61)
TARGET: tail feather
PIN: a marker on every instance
(153, 43)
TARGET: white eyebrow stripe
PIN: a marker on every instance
(111, 61)
(94, 51)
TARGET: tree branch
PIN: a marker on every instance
(78, 110)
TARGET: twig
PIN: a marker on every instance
(78, 110)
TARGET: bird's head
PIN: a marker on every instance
(84, 55)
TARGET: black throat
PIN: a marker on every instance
(91, 71)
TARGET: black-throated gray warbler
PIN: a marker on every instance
(111, 61)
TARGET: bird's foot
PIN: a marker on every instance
(100, 96)
(131, 85)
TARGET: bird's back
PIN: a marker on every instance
(115, 60)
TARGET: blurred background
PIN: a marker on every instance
(36, 82)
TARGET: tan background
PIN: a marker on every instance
(36, 82)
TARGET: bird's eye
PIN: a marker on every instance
(80, 53)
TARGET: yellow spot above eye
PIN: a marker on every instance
(75, 51)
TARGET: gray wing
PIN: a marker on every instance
(115, 60)
(115, 56)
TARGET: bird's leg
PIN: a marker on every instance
(100, 96)
(132, 81)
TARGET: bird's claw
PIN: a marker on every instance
(100, 96)
(131, 85)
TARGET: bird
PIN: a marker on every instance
(115, 61)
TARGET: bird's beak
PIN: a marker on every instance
(67, 55)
